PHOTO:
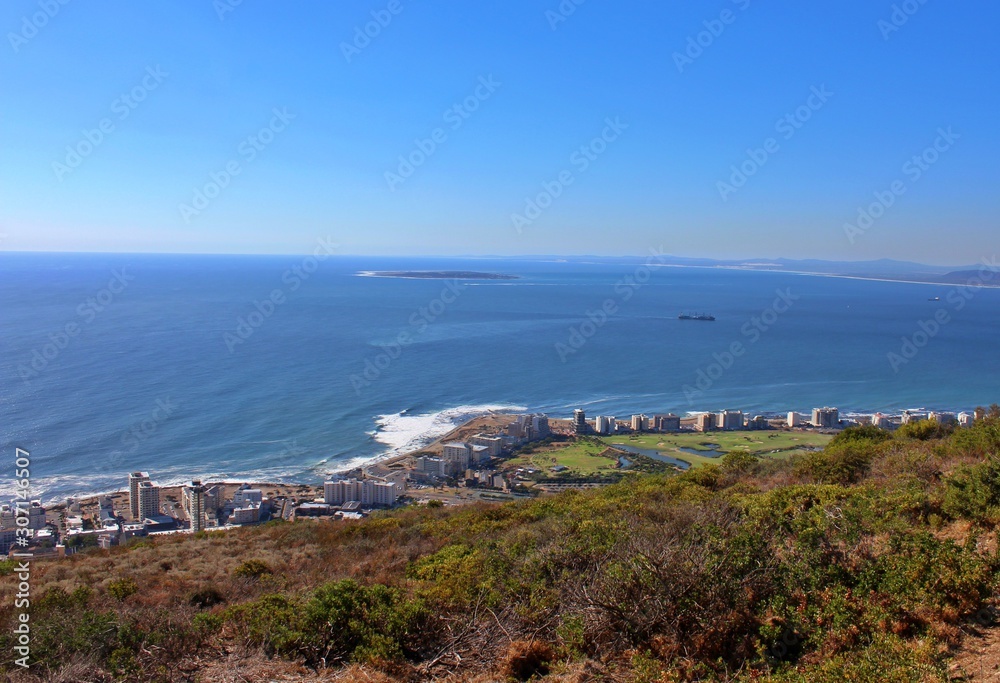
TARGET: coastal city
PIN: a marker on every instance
(494, 457)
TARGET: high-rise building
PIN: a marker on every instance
(640, 423)
(604, 424)
(148, 499)
(494, 444)
(366, 492)
(827, 418)
(540, 423)
(433, 466)
(794, 419)
(134, 479)
(457, 454)
(667, 423)
(193, 496)
(966, 419)
(730, 420)
(580, 422)
(705, 422)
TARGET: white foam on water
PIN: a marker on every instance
(404, 433)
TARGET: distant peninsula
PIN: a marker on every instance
(439, 274)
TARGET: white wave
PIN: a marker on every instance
(403, 433)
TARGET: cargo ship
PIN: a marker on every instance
(697, 316)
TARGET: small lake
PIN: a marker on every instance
(655, 455)
(712, 452)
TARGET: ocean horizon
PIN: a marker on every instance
(282, 368)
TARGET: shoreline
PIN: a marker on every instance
(487, 421)
(843, 276)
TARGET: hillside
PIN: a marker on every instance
(873, 560)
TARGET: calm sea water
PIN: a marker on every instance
(159, 372)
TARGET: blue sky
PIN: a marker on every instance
(210, 77)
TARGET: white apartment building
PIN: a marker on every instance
(246, 496)
(494, 444)
(457, 454)
(134, 479)
(730, 420)
(436, 467)
(366, 492)
(640, 423)
(605, 424)
(825, 417)
(148, 499)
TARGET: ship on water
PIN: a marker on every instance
(696, 316)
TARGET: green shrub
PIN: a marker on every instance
(843, 463)
(123, 588)
(973, 492)
(252, 569)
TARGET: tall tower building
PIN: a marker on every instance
(134, 479)
(148, 499)
(193, 496)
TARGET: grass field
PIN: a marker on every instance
(581, 457)
(764, 443)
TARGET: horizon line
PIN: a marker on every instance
(758, 261)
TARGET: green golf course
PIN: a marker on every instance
(700, 448)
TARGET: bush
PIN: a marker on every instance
(340, 622)
(122, 589)
(924, 430)
(252, 569)
(842, 463)
(974, 492)
(350, 622)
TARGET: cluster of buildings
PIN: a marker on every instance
(468, 459)
(33, 519)
(736, 420)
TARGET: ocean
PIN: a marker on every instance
(288, 367)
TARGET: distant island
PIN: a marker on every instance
(439, 274)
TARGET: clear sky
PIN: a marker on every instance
(184, 89)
